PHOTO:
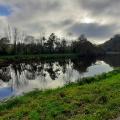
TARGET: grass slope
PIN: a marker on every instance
(96, 98)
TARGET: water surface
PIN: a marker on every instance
(16, 79)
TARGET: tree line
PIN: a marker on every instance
(22, 45)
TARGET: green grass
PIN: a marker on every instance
(96, 98)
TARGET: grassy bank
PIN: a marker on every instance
(19, 58)
(96, 98)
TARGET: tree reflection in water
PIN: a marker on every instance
(44, 74)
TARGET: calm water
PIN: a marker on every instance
(16, 79)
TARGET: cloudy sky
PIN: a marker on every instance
(97, 19)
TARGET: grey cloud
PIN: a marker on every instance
(29, 10)
(61, 24)
(62, 16)
(67, 22)
(92, 30)
(101, 7)
(41, 6)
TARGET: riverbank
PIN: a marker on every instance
(24, 58)
(19, 58)
(96, 98)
